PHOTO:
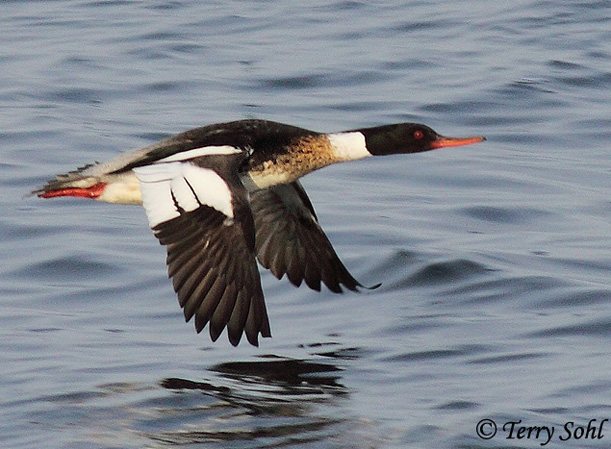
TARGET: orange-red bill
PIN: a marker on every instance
(88, 192)
(443, 142)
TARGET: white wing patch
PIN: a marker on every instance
(189, 185)
(203, 151)
(210, 189)
(156, 192)
(183, 193)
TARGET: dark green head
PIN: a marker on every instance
(408, 138)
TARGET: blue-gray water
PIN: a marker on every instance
(495, 259)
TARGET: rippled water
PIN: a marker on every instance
(494, 259)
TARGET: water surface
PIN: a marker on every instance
(494, 259)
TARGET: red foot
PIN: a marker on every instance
(89, 192)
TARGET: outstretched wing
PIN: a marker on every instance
(290, 241)
(199, 210)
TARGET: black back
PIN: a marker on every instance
(266, 138)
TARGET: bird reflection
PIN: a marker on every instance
(280, 399)
(272, 377)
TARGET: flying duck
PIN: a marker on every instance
(221, 197)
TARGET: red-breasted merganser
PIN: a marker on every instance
(222, 196)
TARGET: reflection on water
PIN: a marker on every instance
(293, 376)
(270, 402)
(279, 401)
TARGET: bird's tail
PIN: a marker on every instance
(79, 183)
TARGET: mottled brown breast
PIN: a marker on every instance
(300, 157)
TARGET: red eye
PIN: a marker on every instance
(418, 135)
